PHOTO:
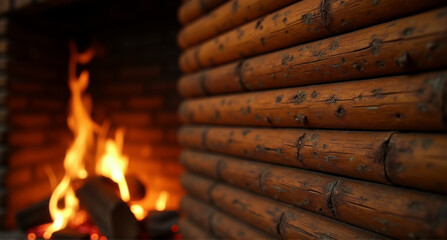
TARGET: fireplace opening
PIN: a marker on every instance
(132, 84)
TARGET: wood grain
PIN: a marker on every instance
(411, 102)
(194, 9)
(190, 230)
(355, 154)
(407, 159)
(219, 223)
(279, 219)
(301, 22)
(406, 45)
(230, 15)
(404, 214)
(418, 160)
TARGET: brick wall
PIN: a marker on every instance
(36, 97)
(134, 86)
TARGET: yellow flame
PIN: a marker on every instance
(83, 127)
(113, 164)
(138, 211)
(161, 201)
(110, 160)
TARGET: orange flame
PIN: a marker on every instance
(161, 201)
(111, 163)
(138, 211)
(83, 127)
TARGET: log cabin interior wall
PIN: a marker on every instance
(133, 85)
(313, 119)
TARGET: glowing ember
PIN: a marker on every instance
(161, 201)
(31, 236)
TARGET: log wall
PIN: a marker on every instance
(315, 119)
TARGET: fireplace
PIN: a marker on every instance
(132, 86)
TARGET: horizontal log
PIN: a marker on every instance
(418, 160)
(34, 215)
(229, 15)
(354, 154)
(213, 81)
(413, 160)
(405, 45)
(300, 22)
(197, 187)
(407, 214)
(193, 9)
(219, 223)
(192, 231)
(278, 219)
(413, 102)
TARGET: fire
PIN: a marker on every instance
(138, 211)
(110, 163)
(83, 128)
(113, 164)
(161, 201)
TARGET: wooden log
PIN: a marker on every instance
(300, 22)
(304, 189)
(230, 228)
(210, 81)
(34, 215)
(418, 160)
(395, 103)
(219, 223)
(406, 211)
(279, 219)
(111, 214)
(193, 9)
(192, 231)
(413, 160)
(199, 212)
(69, 234)
(405, 45)
(355, 154)
(195, 186)
(392, 211)
(229, 15)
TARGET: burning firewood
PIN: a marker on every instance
(38, 213)
(108, 211)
